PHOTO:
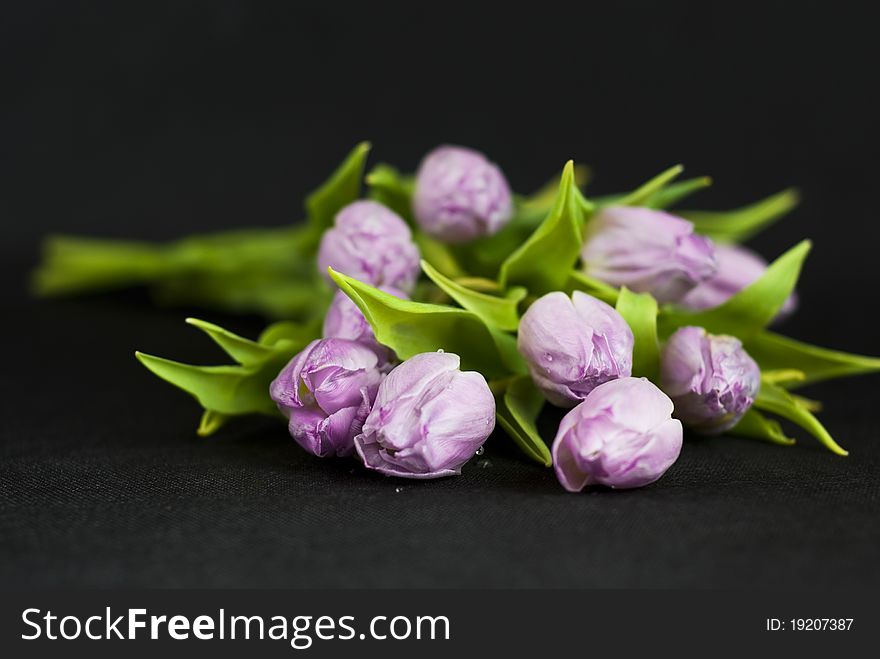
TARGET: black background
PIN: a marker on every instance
(150, 120)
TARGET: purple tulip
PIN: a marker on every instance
(622, 436)
(460, 195)
(737, 268)
(429, 418)
(372, 244)
(648, 251)
(326, 392)
(572, 345)
(711, 379)
(345, 321)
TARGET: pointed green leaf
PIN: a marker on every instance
(579, 281)
(392, 189)
(410, 328)
(640, 312)
(516, 410)
(773, 351)
(291, 335)
(753, 307)
(533, 209)
(807, 403)
(224, 389)
(783, 376)
(644, 192)
(755, 425)
(776, 400)
(675, 192)
(342, 188)
(499, 312)
(484, 256)
(739, 225)
(544, 261)
(242, 350)
(211, 422)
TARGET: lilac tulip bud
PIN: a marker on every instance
(648, 251)
(738, 267)
(711, 379)
(460, 195)
(345, 321)
(326, 392)
(372, 244)
(429, 418)
(572, 345)
(622, 435)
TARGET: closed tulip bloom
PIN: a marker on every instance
(326, 392)
(648, 251)
(429, 418)
(738, 267)
(345, 321)
(573, 344)
(372, 244)
(460, 195)
(711, 379)
(622, 435)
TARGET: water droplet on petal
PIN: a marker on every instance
(440, 350)
(480, 450)
(548, 357)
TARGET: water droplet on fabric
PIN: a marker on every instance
(398, 489)
(484, 464)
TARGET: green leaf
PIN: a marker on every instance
(392, 189)
(741, 224)
(753, 307)
(297, 335)
(783, 376)
(499, 312)
(230, 390)
(639, 310)
(675, 192)
(643, 193)
(755, 425)
(807, 403)
(776, 400)
(773, 351)
(410, 328)
(516, 410)
(484, 256)
(534, 208)
(544, 261)
(439, 254)
(211, 422)
(242, 350)
(579, 281)
(342, 188)
(223, 389)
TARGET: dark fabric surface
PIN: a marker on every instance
(151, 122)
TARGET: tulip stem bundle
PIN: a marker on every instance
(417, 319)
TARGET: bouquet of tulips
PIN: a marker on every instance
(417, 318)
